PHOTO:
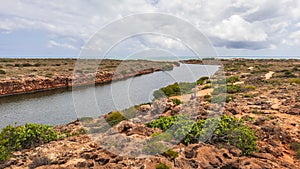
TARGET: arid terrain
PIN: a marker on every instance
(263, 93)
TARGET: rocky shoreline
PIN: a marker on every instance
(15, 83)
(29, 85)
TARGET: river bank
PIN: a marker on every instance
(21, 76)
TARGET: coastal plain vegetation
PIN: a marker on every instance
(52, 68)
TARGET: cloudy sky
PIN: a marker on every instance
(234, 27)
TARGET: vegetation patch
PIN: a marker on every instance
(167, 67)
(174, 90)
(2, 72)
(249, 87)
(162, 166)
(171, 154)
(228, 130)
(232, 79)
(295, 80)
(24, 137)
(296, 147)
(176, 101)
(114, 118)
(202, 80)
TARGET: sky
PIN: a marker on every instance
(233, 27)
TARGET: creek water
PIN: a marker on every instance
(62, 106)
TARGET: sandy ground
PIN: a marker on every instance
(187, 97)
(269, 75)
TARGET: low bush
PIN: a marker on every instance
(114, 118)
(202, 80)
(167, 67)
(26, 65)
(49, 75)
(177, 101)
(162, 166)
(219, 90)
(296, 69)
(123, 72)
(233, 89)
(37, 64)
(295, 80)
(296, 147)
(24, 137)
(228, 130)
(232, 79)
(171, 154)
(250, 87)
(2, 72)
(174, 89)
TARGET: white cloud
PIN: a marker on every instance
(53, 43)
(266, 22)
(236, 28)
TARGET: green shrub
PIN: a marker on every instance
(250, 87)
(233, 131)
(49, 75)
(232, 79)
(174, 89)
(177, 101)
(207, 96)
(167, 67)
(228, 130)
(24, 137)
(233, 89)
(227, 89)
(171, 154)
(248, 95)
(219, 90)
(163, 123)
(114, 118)
(202, 80)
(26, 65)
(123, 72)
(296, 147)
(37, 64)
(295, 80)
(287, 73)
(3, 72)
(296, 69)
(230, 98)
(218, 98)
(161, 166)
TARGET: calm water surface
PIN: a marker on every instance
(63, 106)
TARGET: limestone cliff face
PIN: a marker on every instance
(27, 85)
